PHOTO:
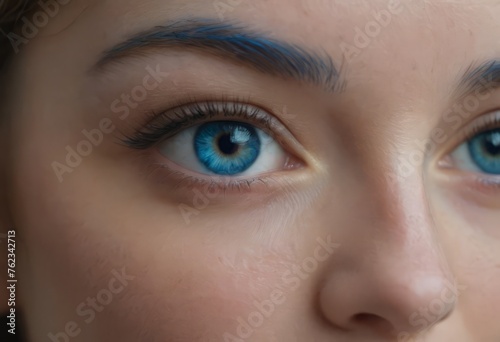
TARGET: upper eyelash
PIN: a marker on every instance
(490, 122)
(170, 122)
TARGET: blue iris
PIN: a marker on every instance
(227, 148)
(484, 149)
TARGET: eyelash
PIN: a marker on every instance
(181, 117)
(168, 123)
(483, 124)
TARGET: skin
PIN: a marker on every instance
(413, 256)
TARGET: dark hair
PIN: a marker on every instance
(11, 11)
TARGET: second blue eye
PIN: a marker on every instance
(484, 150)
(227, 148)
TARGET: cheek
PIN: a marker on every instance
(472, 249)
(190, 282)
(194, 290)
(479, 266)
(187, 283)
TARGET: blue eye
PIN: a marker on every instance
(484, 150)
(481, 153)
(225, 148)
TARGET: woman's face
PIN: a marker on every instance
(258, 170)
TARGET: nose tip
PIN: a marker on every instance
(404, 307)
(417, 305)
(394, 277)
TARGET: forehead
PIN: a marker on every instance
(411, 43)
(390, 30)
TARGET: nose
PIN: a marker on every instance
(393, 277)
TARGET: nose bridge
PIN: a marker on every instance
(407, 267)
(404, 228)
(401, 271)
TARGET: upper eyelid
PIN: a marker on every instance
(168, 123)
(482, 123)
(455, 137)
(489, 121)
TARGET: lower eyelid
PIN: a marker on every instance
(484, 189)
(179, 182)
(470, 187)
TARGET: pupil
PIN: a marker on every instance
(492, 144)
(226, 146)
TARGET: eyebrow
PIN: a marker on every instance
(485, 76)
(234, 41)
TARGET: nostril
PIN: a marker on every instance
(368, 319)
(373, 322)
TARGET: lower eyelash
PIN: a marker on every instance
(163, 174)
(486, 187)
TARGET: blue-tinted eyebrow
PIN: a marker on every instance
(485, 76)
(234, 41)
